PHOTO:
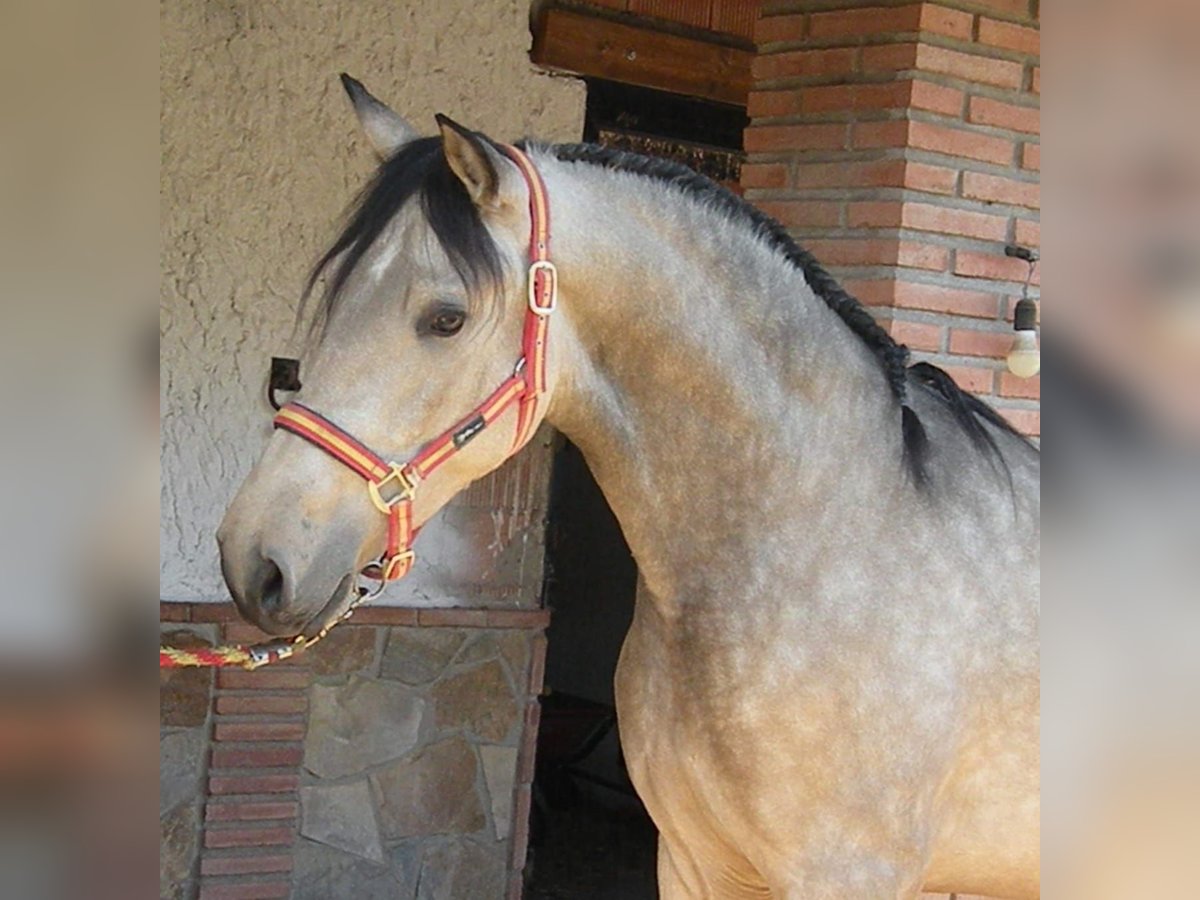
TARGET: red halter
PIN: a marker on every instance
(391, 486)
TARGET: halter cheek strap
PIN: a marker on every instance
(391, 486)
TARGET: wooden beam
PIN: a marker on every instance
(569, 41)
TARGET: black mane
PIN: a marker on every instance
(420, 169)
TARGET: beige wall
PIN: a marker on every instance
(260, 156)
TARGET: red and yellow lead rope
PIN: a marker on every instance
(248, 658)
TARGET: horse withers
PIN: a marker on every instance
(830, 686)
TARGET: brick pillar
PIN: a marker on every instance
(901, 145)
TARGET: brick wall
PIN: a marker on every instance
(395, 758)
(900, 143)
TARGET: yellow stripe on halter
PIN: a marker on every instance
(332, 437)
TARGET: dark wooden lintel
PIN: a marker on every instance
(569, 41)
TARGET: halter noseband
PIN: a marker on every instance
(392, 486)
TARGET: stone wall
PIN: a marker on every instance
(393, 760)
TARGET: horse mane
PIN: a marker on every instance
(968, 411)
(419, 169)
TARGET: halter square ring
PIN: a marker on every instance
(406, 484)
(550, 274)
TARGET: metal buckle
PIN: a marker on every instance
(406, 486)
(535, 307)
(276, 651)
(388, 569)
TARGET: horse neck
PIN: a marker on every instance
(713, 395)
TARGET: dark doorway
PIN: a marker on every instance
(590, 836)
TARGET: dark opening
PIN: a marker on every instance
(590, 836)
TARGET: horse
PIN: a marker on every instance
(830, 686)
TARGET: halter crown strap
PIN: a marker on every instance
(391, 486)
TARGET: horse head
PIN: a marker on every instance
(425, 310)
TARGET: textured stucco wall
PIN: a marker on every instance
(260, 156)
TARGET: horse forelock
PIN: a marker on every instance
(418, 172)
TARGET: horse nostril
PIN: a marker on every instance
(271, 592)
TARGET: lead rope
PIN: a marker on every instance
(524, 388)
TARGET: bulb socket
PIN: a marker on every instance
(1025, 315)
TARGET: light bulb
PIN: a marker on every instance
(1024, 359)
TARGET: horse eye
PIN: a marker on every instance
(446, 322)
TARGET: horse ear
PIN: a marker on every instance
(477, 165)
(386, 130)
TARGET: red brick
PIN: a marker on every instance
(537, 666)
(215, 612)
(804, 214)
(959, 142)
(174, 612)
(245, 865)
(936, 98)
(1029, 233)
(262, 704)
(997, 268)
(936, 298)
(248, 837)
(917, 335)
(959, 222)
(916, 255)
(890, 57)
(1036, 83)
(453, 618)
(1026, 421)
(772, 103)
(259, 731)
(803, 63)
(992, 344)
(968, 66)
(877, 173)
(236, 812)
(764, 175)
(384, 615)
(258, 890)
(520, 836)
(847, 97)
(518, 618)
(1031, 157)
(878, 252)
(997, 189)
(872, 135)
(985, 111)
(768, 29)
(862, 22)
(934, 179)
(252, 784)
(768, 138)
(261, 757)
(268, 679)
(1010, 36)
(1027, 388)
(949, 22)
(975, 379)
(875, 292)
(875, 214)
